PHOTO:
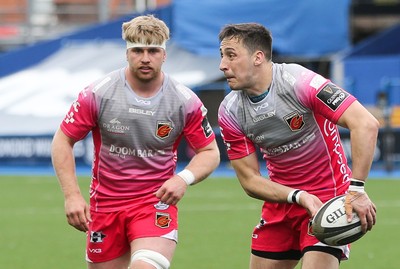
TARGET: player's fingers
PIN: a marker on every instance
(348, 207)
(172, 199)
(160, 193)
(83, 224)
(74, 221)
(87, 212)
(373, 207)
(364, 219)
(164, 196)
(370, 221)
(373, 213)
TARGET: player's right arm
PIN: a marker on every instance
(76, 208)
(256, 186)
(242, 155)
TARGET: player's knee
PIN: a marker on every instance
(152, 257)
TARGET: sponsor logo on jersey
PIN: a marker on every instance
(141, 111)
(206, 127)
(163, 220)
(122, 152)
(161, 206)
(332, 96)
(331, 133)
(294, 121)
(257, 139)
(141, 101)
(285, 148)
(69, 118)
(115, 121)
(115, 126)
(261, 223)
(264, 116)
(262, 106)
(163, 129)
(227, 144)
(96, 237)
(95, 250)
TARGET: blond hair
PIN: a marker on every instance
(145, 29)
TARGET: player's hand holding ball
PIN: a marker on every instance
(358, 201)
(345, 218)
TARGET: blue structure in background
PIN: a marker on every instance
(304, 28)
(373, 66)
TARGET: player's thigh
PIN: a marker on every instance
(314, 259)
(263, 263)
(121, 262)
(164, 246)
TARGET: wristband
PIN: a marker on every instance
(187, 176)
(356, 185)
(294, 196)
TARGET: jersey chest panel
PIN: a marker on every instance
(127, 129)
(277, 121)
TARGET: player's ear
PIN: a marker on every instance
(259, 57)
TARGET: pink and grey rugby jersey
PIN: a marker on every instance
(294, 127)
(135, 139)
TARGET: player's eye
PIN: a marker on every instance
(154, 50)
(231, 56)
(137, 50)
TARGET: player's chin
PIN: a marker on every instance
(146, 77)
(234, 86)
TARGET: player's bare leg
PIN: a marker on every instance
(118, 263)
(317, 260)
(262, 263)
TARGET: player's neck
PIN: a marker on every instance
(262, 82)
(146, 88)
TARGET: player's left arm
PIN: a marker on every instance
(202, 164)
(364, 129)
(201, 139)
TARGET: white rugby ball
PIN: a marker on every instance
(330, 225)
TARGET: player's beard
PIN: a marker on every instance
(237, 85)
(153, 74)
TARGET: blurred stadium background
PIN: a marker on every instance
(51, 49)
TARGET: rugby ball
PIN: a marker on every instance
(330, 225)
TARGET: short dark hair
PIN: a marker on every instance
(253, 36)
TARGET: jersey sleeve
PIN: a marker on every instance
(81, 117)
(236, 142)
(197, 131)
(322, 96)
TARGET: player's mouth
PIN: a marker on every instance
(229, 78)
(145, 69)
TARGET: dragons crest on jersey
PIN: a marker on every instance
(295, 121)
(163, 220)
(164, 128)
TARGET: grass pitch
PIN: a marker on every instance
(216, 221)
